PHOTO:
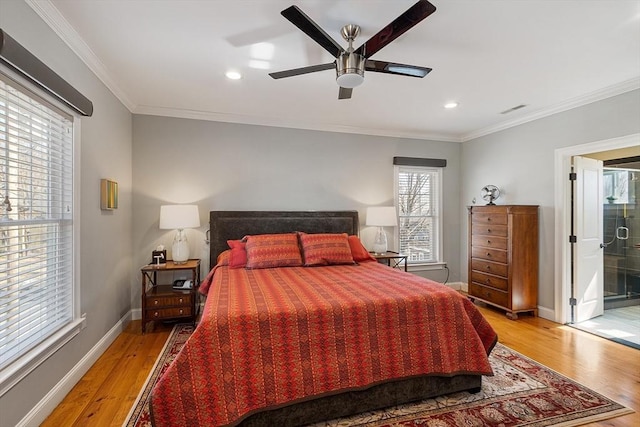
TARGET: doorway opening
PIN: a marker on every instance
(620, 320)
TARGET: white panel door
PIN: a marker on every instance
(588, 256)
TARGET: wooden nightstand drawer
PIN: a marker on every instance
(489, 280)
(490, 218)
(168, 301)
(489, 229)
(484, 266)
(169, 313)
(496, 255)
(491, 295)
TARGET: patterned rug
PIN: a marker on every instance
(521, 393)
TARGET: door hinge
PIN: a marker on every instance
(573, 239)
(573, 176)
(573, 301)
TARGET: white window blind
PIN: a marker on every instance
(418, 201)
(36, 221)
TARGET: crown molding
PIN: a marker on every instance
(54, 19)
(607, 92)
(275, 122)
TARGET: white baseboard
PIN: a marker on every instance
(547, 313)
(457, 286)
(136, 314)
(52, 399)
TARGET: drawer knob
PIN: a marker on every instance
(489, 254)
(488, 230)
(488, 267)
(155, 302)
(488, 281)
(156, 314)
(488, 242)
(489, 219)
(180, 311)
(180, 299)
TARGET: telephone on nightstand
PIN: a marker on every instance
(183, 284)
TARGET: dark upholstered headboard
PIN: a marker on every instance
(234, 225)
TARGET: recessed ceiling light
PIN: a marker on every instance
(233, 75)
(450, 105)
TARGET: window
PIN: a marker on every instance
(37, 294)
(418, 198)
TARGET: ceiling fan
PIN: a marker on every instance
(351, 63)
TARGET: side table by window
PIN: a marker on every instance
(160, 301)
(392, 259)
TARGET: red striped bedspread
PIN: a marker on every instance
(278, 335)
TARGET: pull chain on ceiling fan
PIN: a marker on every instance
(350, 64)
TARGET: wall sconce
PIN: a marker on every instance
(108, 194)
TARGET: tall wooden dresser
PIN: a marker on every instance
(503, 257)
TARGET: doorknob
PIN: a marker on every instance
(603, 245)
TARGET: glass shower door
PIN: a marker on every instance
(621, 237)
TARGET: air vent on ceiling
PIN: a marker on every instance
(517, 107)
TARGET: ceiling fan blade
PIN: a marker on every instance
(345, 93)
(310, 28)
(303, 70)
(395, 68)
(395, 29)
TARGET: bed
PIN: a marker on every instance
(295, 345)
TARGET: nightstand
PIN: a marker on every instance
(392, 259)
(160, 301)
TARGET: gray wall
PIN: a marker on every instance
(224, 166)
(105, 238)
(520, 161)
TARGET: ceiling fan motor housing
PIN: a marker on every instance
(350, 69)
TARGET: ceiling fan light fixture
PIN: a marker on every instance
(350, 70)
(350, 80)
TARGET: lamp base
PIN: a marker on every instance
(180, 248)
(380, 242)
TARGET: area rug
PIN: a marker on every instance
(521, 393)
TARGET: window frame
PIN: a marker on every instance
(437, 248)
(23, 365)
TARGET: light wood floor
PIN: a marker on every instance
(105, 394)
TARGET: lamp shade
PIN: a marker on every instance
(382, 216)
(174, 217)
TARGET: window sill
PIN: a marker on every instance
(426, 266)
(23, 366)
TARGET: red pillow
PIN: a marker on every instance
(238, 257)
(358, 251)
(273, 250)
(325, 249)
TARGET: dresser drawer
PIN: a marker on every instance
(490, 267)
(168, 313)
(490, 280)
(489, 241)
(489, 218)
(168, 301)
(491, 295)
(488, 254)
(489, 230)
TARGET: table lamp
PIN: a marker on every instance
(179, 217)
(381, 216)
